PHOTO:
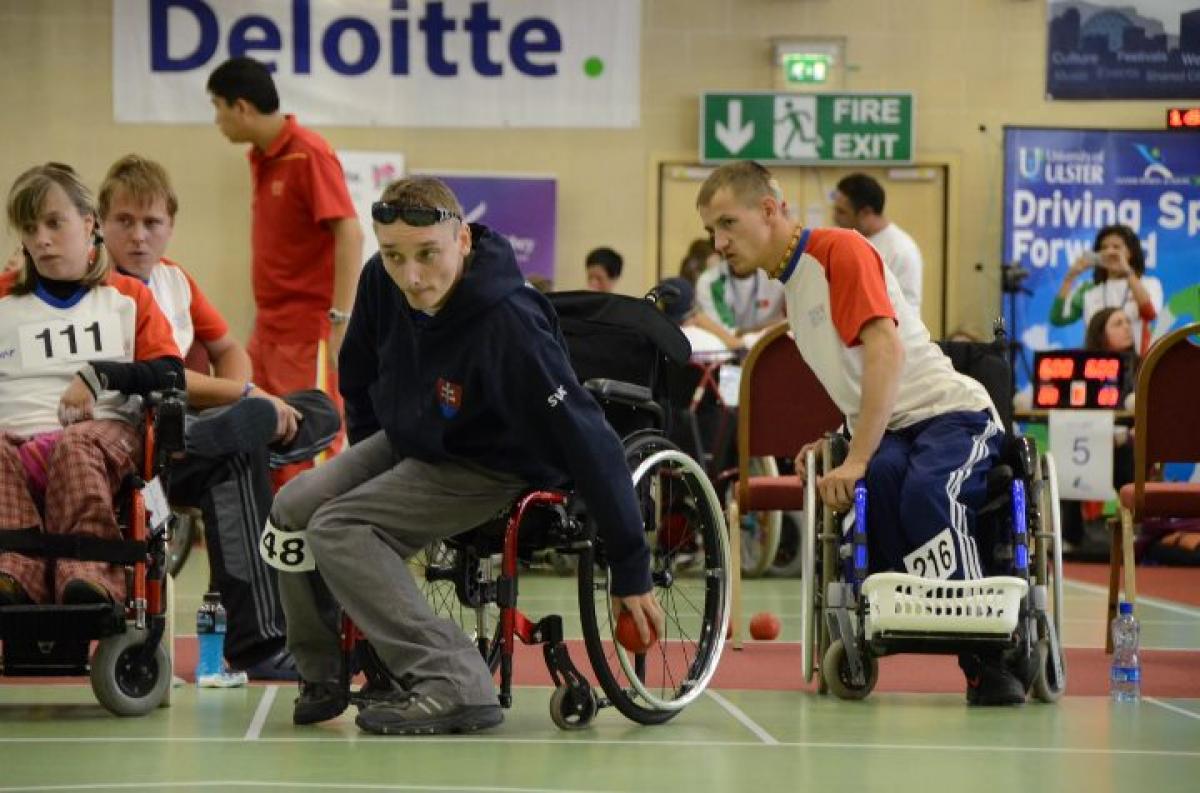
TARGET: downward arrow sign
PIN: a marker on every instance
(732, 134)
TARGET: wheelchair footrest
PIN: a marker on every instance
(49, 623)
(45, 658)
(909, 603)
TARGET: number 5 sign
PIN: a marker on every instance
(1082, 444)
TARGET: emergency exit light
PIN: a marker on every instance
(1183, 118)
(806, 68)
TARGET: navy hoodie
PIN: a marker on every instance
(487, 380)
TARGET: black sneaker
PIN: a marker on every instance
(279, 666)
(319, 702)
(414, 713)
(991, 682)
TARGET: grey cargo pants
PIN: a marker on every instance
(365, 514)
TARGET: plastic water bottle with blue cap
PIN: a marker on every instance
(210, 633)
(1126, 675)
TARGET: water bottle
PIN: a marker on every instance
(1126, 675)
(210, 630)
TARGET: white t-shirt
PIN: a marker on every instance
(45, 341)
(835, 285)
(902, 256)
(739, 303)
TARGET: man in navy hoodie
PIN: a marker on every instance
(459, 396)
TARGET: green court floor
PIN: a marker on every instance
(56, 738)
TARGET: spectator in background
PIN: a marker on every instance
(742, 304)
(603, 269)
(1118, 280)
(1108, 331)
(700, 256)
(305, 238)
(858, 204)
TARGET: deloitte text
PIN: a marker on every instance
(354, 45)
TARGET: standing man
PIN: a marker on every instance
(305, 238)
(858, 204)
(923, 436)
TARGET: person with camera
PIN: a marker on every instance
(1119, 281)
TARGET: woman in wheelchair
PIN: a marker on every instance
(459, 397)
(923, 436)
(78, 344)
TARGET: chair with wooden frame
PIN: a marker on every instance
(781, 406)
(1166, 429)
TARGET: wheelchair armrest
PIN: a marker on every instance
(1021, 455)
(999, 477)
(169, 410)
(637, 396)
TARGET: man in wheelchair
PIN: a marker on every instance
(922, 436)
(78, 344)
(459, 396)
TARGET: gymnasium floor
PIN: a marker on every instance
(759, 729)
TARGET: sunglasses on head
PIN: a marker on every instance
(383, 212)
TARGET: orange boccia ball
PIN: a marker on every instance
(628, 636)
(764, 626)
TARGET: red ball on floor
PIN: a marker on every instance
(628, 636)
(764, 626)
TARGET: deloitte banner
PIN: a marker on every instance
(457, 63)
(1061, 186)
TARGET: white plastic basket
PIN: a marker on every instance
(903, 602)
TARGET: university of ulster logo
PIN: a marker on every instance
(449, 397)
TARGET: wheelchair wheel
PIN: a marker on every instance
(836, 671)
(690, 571)
(573, 708)
(436, 568)
(1051, 680)
(124, 684)
(810, 629)
(760, 530)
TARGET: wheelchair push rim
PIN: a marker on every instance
(675, 671)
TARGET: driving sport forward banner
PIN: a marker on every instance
(1062, 186)
(424, 63)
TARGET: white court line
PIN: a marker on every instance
(1169, 706)
(1166, 605)
(854, 746)
(749, 723)
(260, 715)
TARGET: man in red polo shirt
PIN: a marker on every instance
(305, 237)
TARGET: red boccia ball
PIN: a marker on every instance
(628, 636)
(764, 626)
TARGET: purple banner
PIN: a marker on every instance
(523, 209)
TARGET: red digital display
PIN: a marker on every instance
(1077, 379)
(1183, 118)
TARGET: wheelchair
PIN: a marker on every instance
(131, 668)
(850, 619)
(473, 578)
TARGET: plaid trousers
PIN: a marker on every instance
(86, 467)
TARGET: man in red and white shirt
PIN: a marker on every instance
(305, 238)
(225, 473)
(923, 436)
